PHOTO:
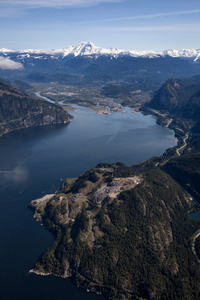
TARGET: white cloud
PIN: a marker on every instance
(148, 16)
(55, 3)
(8, 64)
(173, 28)
(158, 15)
(11, 12)
(19, 8)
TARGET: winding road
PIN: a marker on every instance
(193, 246)
(184, 145)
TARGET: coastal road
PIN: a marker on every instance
(184, 145)
(193, 245)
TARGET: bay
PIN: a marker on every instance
(32, 162)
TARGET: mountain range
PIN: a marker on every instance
(89, 64)
(89, 49)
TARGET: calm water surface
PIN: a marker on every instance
(32, 162)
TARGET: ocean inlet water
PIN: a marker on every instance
(32, 162)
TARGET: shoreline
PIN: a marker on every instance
(167, 122)
(46, 274)
(88, 290)
(45, 197)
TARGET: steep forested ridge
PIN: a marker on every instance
(18, 110)
(124, 232)
(181, 97)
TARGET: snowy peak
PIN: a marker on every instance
(4, 50)
(89, 49)
(186, 53)
(85, 48)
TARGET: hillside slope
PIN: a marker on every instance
(123, 232)
(93, 64)
(17, 110)
(181, 97)
(179, 100)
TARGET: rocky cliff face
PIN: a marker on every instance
(18, 110)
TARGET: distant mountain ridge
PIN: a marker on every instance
(89, 49)
(88, 64)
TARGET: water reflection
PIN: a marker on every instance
(18, 175)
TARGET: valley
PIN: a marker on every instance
(90, 214)
(121, 229)
(89, 96)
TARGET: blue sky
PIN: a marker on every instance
(135, 24)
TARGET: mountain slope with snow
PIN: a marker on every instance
(91, 64)
(89, 49)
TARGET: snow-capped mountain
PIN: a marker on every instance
(89, 49)
(90, 63)
(193, 54)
